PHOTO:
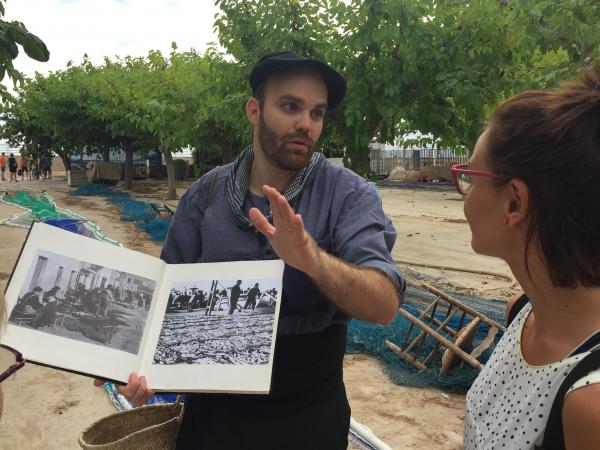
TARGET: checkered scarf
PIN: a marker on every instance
(238, 182)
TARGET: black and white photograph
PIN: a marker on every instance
(218, 322)
(84, 301)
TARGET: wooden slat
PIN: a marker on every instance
(470, 311)
(464, 355)
(404, 355)
(477, 351)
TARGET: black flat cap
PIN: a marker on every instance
(284, 61)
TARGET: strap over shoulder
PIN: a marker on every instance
(516, 308)
(213, 182)
(554, 438)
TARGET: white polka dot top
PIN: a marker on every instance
(508, 405)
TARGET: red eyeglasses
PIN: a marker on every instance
(462, 177)
(19, 362)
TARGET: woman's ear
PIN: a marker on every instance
(517, 204)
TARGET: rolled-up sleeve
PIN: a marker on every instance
(364, 235)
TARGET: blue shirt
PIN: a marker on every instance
(340, 210)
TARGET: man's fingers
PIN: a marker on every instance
(142, 393)
(129, 389)
(136, 391)
(273, 196)
(261, 223)
(298, 222)
(287, 213)
(282, 211)
(98, 383)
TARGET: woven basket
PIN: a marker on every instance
(152, 427)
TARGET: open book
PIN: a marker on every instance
(85, 306)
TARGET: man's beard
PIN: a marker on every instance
(275, 150)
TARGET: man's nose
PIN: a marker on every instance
(304, 122)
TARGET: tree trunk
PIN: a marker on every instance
(106, 153)
(171, 181)
(66, 160)
(128, 166)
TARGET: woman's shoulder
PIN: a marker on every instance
(581, 413)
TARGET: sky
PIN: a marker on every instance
(70, 28)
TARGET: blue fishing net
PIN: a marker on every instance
(156, 228)
(370, 339)
(72, 225)
(143, 214)
(97, 190)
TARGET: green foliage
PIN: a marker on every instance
(438, 67)
(11, 34)
(434, 66)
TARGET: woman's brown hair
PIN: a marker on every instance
(551, 141)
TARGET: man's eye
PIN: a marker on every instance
(290, 106)
(318, 114)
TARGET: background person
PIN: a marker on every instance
(32, 169)
(12, 167)
(2, 166)
(24, 166)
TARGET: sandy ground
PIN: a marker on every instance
(47, 409)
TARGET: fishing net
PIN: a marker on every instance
(41, 207)
(143, 214)
(369, 338)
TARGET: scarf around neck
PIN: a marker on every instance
(239, 180)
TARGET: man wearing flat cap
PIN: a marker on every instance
(282, 199)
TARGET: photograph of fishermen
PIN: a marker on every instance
(218, 322)
(83, 301)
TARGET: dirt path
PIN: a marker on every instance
(47, 409)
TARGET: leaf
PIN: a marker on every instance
(35, 48)
(8, 44)
(535, 12)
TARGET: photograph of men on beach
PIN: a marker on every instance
(218, 322)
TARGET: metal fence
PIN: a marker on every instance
(416, 159)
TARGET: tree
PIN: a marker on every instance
(219, 122)
(12, 35)
(114, 90)
(436, 66)
(165, 108)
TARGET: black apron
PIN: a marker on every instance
(307, 408)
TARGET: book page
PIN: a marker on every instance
(80, 304)
(218, 327)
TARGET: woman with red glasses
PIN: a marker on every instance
(532, 198)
